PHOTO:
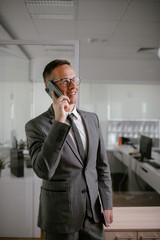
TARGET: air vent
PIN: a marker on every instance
(97, 40)
(50, 2)
(147, 49)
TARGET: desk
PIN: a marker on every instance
(147, 172)
(134, 222)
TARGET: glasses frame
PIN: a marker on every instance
(70, 79)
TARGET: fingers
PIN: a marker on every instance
(109, 217)
(60, 106)
(62, 98)
(53, 96)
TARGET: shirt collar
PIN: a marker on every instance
(75, 113)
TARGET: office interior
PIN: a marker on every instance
(113, 45)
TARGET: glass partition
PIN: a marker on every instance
(128, 111)
(15, 94)
(22, 89)
(22, 97)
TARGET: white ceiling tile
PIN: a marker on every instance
(91, 50)
(101, 9)
(126, 24)
(13, 9)
(126, 40)
(27, 25)
(17, 19)
(3, 34)
(128, 28)
(143, 11)
(157, 32)
(96, 27)
(151, 42)
(55, 29)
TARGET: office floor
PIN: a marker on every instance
(42, 238)
(136, 199)
(122, 197)
(1, 238)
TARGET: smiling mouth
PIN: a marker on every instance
(71, 93)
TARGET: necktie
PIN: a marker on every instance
(82, 154)
(77, 136)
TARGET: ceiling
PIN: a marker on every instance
(105, 28)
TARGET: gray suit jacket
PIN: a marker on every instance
(66, 179)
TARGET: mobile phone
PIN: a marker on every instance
(52, 87)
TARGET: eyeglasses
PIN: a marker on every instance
(67, 81)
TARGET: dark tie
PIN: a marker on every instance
(82, 154)
(77, 136)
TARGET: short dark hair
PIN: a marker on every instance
(52, 65)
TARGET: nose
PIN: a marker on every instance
(72, 84)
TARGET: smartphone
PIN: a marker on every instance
(52, 87)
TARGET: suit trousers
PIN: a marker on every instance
(90, 231)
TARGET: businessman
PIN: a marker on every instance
(68, 153)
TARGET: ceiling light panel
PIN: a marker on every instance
(50, 2)
(51, 9)
(159, 52)
(52, 16)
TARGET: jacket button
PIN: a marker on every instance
(83, 191)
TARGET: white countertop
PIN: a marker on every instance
(135, 218)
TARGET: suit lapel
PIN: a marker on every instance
(89, 134)
(71, 144)
(69, 140)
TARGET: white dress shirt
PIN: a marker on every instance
(81, 128)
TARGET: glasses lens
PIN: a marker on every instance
(66, 81)
(77, 80)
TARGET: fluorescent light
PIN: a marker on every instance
(159, 52)
(50, 2)
(52, 16)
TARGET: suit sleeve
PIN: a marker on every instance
(45, 151)
(104, 177)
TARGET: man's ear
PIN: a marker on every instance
(46, 83)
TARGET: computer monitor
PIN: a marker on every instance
(145, 147)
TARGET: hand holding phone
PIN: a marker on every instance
(61, 104)
(52, 87)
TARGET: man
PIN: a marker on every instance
(74, 186)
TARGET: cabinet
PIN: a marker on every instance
(19, 201)
(113, 235)
(134, 223)
(148, 235)
(132, 235)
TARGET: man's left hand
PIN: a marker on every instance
(109, 216)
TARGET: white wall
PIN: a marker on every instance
(15, 106)
(117, 70)
(15, 94)
(130, 101)
(38, 65)
(41, 100)
(120, 101)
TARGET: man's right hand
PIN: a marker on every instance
(60, 106)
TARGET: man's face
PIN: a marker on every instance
(65, 71)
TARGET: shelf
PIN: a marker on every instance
(131, 129)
